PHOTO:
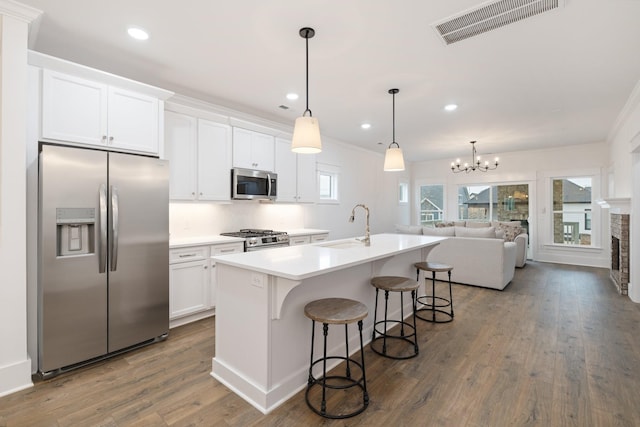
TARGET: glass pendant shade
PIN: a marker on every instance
(306, 136)
(393, 159)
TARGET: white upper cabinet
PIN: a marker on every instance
(199, 153)
(214, 161)
(181, 151)
(83, 111)
(296, 174)
(253, 150)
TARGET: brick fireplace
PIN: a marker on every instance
(619, 272)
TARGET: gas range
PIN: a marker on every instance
(256, 239)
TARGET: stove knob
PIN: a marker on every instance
(252, 241)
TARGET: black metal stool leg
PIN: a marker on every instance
(375, 316)
(450, 293)
(433, 294)
(323, 406)
(384, 337)
(364, 377)
(346, 344)
(414, 302)
(313, 333)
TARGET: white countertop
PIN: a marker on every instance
(304, 261)
(305, 232)
(202, 240)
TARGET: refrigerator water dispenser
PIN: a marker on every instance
(75, 231)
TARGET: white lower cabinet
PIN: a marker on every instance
(188, 281)
(315, 238)
(192, 281)
(299, 240)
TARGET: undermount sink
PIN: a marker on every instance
(343, 245)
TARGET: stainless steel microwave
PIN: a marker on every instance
(249, 184)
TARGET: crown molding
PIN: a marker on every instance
(19, 11)
(632, 103)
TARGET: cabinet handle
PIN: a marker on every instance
(110, 139)
(193, 193)
(186, 255)
(104, 138)
(227, 250)
(205, 267)
(201, 193)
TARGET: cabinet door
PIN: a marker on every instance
(180, 150)
(253, 150)
(306, 178)
(214, 161)
(286, 170)
(242, 157)
(133, 121)
(315, 238)
(227, 248)
(188, 288)
(262, 151)
(73, 109)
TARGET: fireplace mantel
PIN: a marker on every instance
(621, 205)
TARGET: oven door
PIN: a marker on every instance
(269, 246)
(248, 184)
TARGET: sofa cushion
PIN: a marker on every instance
(439, 231)
(408, 229)
(450, 224)
(486, 232)
(478, 224)
(511, 229)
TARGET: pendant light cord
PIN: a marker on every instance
(306, 37)
(393, 125)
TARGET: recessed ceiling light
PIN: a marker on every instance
(292, 96)
(450, 107)
(138, 33)
(365, 125)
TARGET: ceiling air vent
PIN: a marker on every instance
(489, 16)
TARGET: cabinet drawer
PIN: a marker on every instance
(299, 240)
(188, 254)
(228, 248)
(319, 238)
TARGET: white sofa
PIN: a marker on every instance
(477, 254)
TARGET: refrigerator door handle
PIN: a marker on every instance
(114, 228)
(102, 257)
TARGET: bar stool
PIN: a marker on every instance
(402, 285)
(336, 311)
(433, 303)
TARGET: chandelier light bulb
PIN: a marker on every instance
(475, 163)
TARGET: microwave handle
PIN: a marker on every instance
(269, 186)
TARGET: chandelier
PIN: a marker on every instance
(456, 166)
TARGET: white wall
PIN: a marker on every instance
(361, 180)
(15, 366)
(535, 168)
(624, 152)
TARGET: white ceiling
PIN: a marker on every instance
(559, 78)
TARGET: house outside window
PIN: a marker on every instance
(571, 201)
(431, 199)
(506, 202)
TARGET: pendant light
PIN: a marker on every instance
(306, 132)
(393, 159)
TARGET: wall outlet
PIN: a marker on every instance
(257, 280)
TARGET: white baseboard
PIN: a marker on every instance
(15, 377)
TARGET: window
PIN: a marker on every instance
(328, 183)
(431, 199)
(572, 211)
(509, 202)
(403, 193)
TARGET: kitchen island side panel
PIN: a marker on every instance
(285, 340)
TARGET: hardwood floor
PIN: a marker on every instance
(557, 347)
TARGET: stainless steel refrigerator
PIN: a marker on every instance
(103, 276)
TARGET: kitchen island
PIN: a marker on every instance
(262, 340)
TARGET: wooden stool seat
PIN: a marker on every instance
(395, 283)
(434, 304)
(335, 311)
(406, 338)
(433, 266)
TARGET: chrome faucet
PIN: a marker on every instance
(367, 232)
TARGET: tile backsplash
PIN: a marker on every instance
(194, 219)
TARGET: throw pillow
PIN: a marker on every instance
(450, 224)
(478, 224)
(438, 231)
(511, 230)
(485, 232)
(408, 229)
